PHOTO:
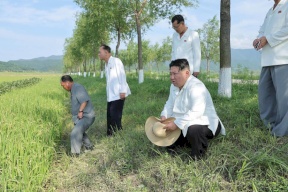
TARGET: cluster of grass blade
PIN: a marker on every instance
(8, 86)
(248, 158)
(31, 122)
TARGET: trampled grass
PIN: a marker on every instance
(248, 158)
(31, 121)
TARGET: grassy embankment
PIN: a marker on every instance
(248, 158)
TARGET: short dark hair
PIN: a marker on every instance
(106, 47)
(181, 63)
(65, 78)
(178, 18)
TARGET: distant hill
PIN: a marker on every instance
(5, 66)
(240, 59)
(43, 64)
(243, 58)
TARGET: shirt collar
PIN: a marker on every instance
(185, 33)
(176, 89)
(185, 85)
(108, 63)
(110, 59)
(279, 5)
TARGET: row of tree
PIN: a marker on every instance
(122, 20)
(152, 56)
(100, 21)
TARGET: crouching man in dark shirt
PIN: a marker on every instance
(83, 114)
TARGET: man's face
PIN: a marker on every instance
(178, 78)
(102, 53)
(178, 27)
(66, 85)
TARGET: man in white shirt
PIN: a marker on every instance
(273, 82)
(186, 44)
(117, 89)
(192, 107)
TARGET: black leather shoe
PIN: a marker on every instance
(76, 155)
(90, 148)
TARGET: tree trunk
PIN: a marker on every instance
(118, 42)
(207, 66)
(225, 85)
(102, 69)
(84, 67)
(93, 64)
(140, 64)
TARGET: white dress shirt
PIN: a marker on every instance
(115, 79)
(275, 28)
(192, 105)
(187, 47)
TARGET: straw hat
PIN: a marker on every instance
(157, 135)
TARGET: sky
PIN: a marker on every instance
(38, 28)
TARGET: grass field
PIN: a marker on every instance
(13, 76)
(9, 76)
(31, 121)
(248, 158)
(35, 127)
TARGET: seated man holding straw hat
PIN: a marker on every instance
(189, 110)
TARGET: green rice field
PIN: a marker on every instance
(31, 120)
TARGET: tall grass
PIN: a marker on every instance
(248, 158)
(13, 76)
(31, 121)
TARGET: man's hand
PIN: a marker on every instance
(195, 74)
(260, 43)
(170, 126)
(162, 118)
(263, 42)
(122, 96)
(256, 43)
(80, 114)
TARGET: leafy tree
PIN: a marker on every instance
(154, 51)
(225, 85)
(129, 56)
(147, 52)
(209, 40)
(162, 54)
(147, 13)
(72, 54)
(87, 36)
(122, 22)
(113, 15)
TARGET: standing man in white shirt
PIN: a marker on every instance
(273, 82)
(186, 44)
(117, 89)
(191, 105)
